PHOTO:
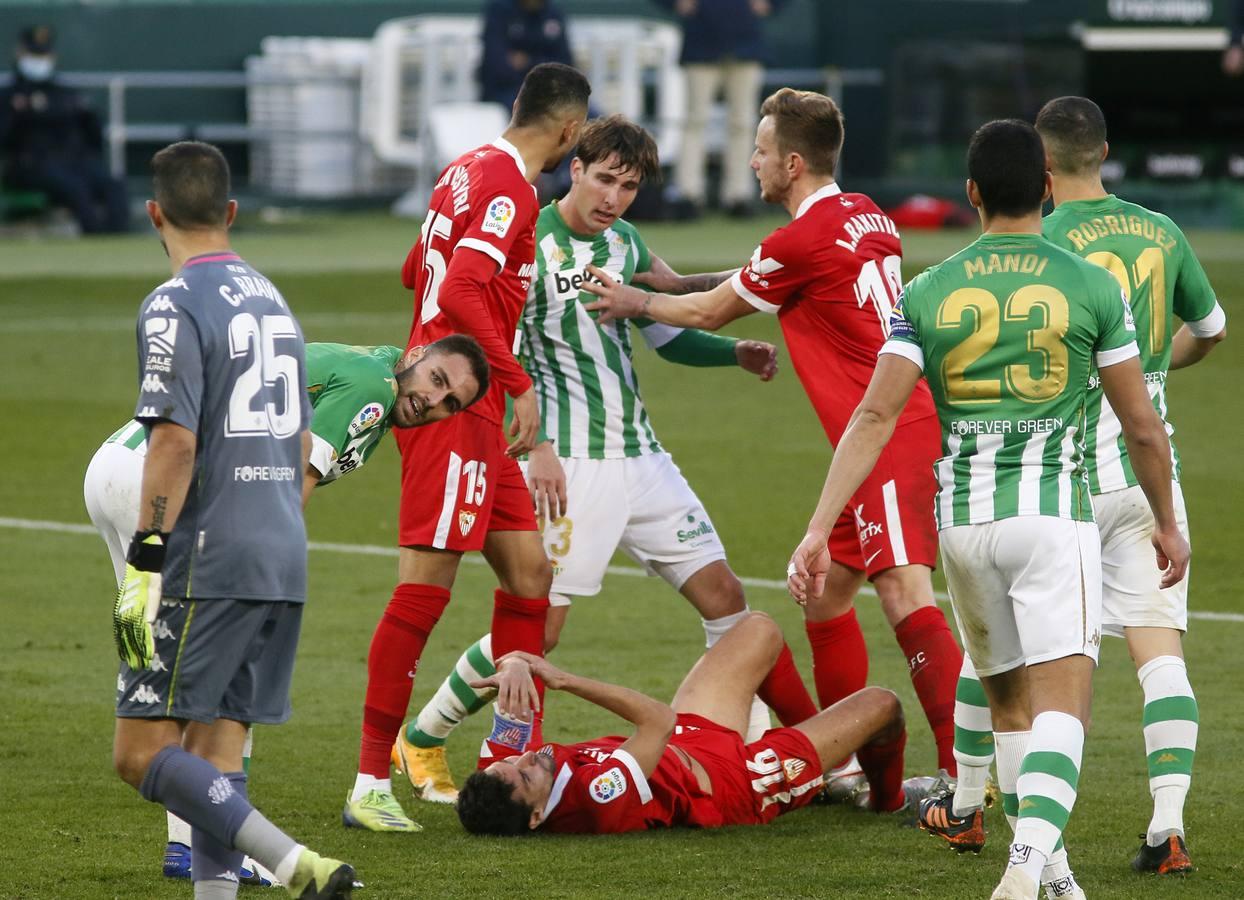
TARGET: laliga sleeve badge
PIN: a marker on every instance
(365, 418)
(499, 216)
(609, 786)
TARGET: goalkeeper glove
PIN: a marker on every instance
(138, 600)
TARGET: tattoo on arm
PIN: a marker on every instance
(692, 284)
(158, 507)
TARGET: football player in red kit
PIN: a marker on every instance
(461, 485)
(832, 276)
(686, 762)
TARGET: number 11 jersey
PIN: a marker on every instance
(832, 277)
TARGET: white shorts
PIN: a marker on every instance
(1129, 570)
(640, 504)
(113, 490)
(1025, 590)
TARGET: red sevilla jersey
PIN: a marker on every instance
(832, 276)
(482, 201)
(600, 789)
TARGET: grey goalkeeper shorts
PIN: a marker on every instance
(216, 659)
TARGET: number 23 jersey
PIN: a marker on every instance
(832, 276)
(484, 203)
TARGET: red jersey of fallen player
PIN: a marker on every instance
(474, 261)
(832, 276)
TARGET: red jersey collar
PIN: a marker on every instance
(829, 190)
(502, 144)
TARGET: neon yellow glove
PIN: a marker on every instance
(138, 601)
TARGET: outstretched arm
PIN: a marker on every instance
(709, 310)
(661, 277)
(867, 433)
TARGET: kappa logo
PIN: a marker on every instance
(161, 335)
(466, 519)
(161, 304)
(161, 631)
(157, 664)
(609, 786)
(178, 282)
(1167, 758)
(499, 216)
(220, 791)
(147, 412)
(365, 418)
(144, 694)
(152, 384)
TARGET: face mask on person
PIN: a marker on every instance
(36, 68)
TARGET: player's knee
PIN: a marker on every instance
(131, 762)
(533, 579)
(888, 709)
(762, 628)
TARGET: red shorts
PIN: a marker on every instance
(757, 782)
(889, 520)
(458, 485)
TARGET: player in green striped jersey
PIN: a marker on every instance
(357, 395)
(602, 481)
(1006, 332)
(1160, 274)
(1156, 268)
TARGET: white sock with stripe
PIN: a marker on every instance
(455, 699)
(974, 741)
(1047, 785)
(759, 720)
(1171, 723)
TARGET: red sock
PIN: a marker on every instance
(391, 663)
(934, 660)
(883, 764)
(839, 658)
(518, 624)
(784, 692)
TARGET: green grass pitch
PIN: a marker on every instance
(70, 829)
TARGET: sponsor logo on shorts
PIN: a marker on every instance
(365, 418)
(220, 791)
(867, 529)
(161, 335)
(466, 520)
(153, 384)
(609, 786)
(499, 216)
(700, 528)
(120, 683)
(144, 694)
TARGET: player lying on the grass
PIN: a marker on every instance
(1007, 333)
(357, 395)
(831, 276)
(1157, 269)
(686, 763)
(615, 486)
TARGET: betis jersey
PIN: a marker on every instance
(352, 393)
(1007, 332)
(588, 389)
(1162, 278)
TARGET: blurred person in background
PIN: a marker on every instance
(51, 140)
(1233, 57)
(722, 53)
(518, 36)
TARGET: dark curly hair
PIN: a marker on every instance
(486, 805)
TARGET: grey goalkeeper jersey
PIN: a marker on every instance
(220, 353)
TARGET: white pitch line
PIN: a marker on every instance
(626, 571)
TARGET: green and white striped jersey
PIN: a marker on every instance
(352, 393)
(1007, 332)
(587, 387)
(1153, 262)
